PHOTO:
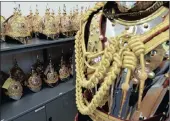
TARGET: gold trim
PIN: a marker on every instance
(164, 36)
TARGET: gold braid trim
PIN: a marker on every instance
(164, 36)
(100, 70)
(155, 29)
(97, 100)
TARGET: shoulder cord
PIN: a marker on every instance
(113, 59)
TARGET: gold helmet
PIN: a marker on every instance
(14, 89)
(17, 27)
(13, 84)
(37, 22)
(64, 71)
(65, 23)
(51, 74)
(49, 26)
(34, 82)
(2, 28)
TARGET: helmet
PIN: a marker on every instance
(34, 81)
(51, 74)
(16, 73)
(15, 89)
(36, 23)
(64, 71)
(49, 26)
(65, 23)
(17, 28)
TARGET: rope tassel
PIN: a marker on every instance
(143, 77)
(139, 49)
(129, 62)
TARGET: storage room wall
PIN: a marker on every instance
(26, 59)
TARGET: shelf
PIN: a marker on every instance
(27, 103)
(36, 44)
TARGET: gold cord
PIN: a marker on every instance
(114, 57)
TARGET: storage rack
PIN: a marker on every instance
(50, 104)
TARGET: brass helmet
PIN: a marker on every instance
(14, 89)
(34, 82)
(51, 75)
(49, 26)
(64, 71)
(17, 27)
(13, 84)
(65, 23)
(2, 28)
(37, 22)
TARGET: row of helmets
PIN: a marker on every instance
(50, 26)
(14, 83)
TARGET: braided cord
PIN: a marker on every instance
(106, 59)
(113, 54)
(114, 58)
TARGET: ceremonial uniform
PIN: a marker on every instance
(121, 55)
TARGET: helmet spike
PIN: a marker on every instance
(47, 9)
(77, 9)
(64, 9)
(36, 10)
(19, 9)
(30, 10)
(59, 11)
(47, 6)
(15, 8)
